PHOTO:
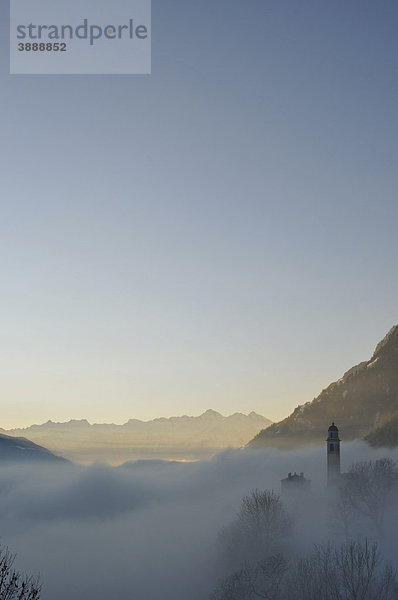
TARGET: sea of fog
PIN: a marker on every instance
(149, 530)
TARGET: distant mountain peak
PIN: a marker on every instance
(253, 414)
(211, 414)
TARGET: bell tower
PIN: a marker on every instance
(333, 454)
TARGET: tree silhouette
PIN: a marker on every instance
(262, 528)
(264, 580)
(14, 585)
(365, 491)
(352, 571)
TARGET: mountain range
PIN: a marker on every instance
(363, 403)
(178, 438)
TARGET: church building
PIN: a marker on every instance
(333, 455)
(295, 482)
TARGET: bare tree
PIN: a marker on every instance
(263, 580)
(343, 516)
(261, 529)
(352, 571)
(234, 587)
(13, 584)
(267, 577)
(366, 489)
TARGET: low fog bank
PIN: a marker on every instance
(150, 530)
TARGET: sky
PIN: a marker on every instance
(221, 233)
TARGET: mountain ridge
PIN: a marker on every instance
(180, 438)
(365, 396)
(84, 422)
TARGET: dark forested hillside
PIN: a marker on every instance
(385, 435)
(22, 450)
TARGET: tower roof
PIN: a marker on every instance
(333, 427)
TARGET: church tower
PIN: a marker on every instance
(333, 454)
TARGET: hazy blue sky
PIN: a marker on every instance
(222, 233)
